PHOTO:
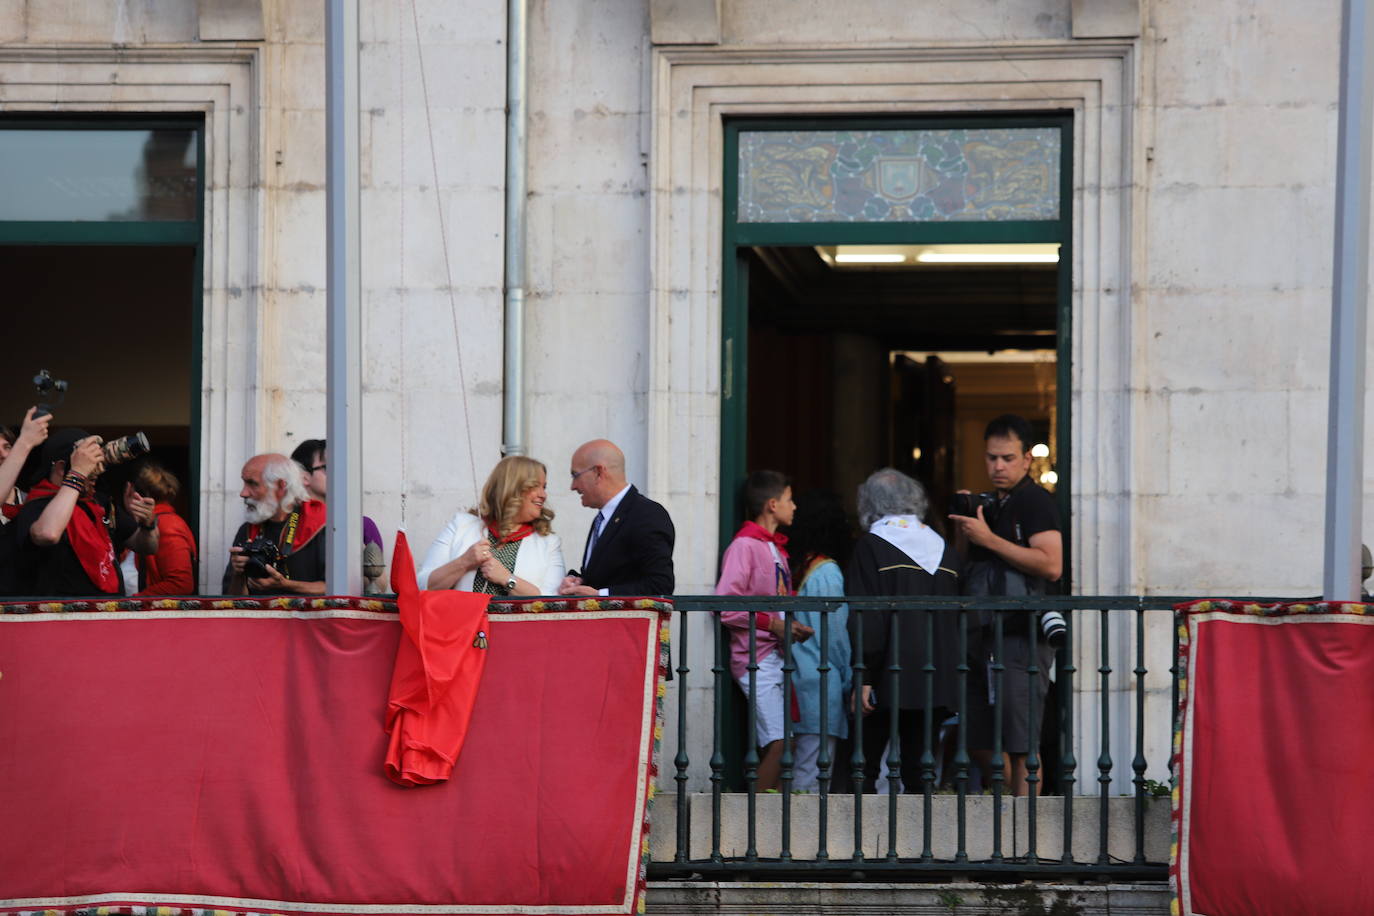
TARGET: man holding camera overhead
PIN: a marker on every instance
(280, 549)
(65, 536)
(1014, 548)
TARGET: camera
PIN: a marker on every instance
(1053, 626)
(47, 385)
(968, 503)
(125, 448)
(261, 552)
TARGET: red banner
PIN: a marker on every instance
(1275, 742)
(232, 759)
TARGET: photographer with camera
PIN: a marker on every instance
(66, 535)
(280, 549)
(1014, 547)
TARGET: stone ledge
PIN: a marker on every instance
(963, 899)
(1015, 826)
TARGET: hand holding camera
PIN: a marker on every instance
(88, 459)
(34, 430)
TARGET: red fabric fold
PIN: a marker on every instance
(439, 663)
(89, 537)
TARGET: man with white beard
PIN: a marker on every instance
(280, 548)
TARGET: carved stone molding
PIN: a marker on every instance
(223, 84)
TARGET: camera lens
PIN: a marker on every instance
(1053, 626)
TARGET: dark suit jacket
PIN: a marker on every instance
(634, 554)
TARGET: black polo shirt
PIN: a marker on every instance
(56, 571)
(304, 565)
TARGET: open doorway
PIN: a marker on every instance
(887, 357)
(115, 323)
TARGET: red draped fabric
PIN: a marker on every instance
(439, 663)
(1275, 743)
(227, 755)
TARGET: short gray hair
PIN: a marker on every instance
(890, 492)
(279, 467)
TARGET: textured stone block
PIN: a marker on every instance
(232, 20)
(684, 22)
(1106, 18)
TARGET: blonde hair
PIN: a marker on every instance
(505, 489)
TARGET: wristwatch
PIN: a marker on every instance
(510, 584)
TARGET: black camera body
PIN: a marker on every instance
(968, 503)
(47, 386)
(261, 552)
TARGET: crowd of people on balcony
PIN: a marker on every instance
(1005, 541)
(63, 537)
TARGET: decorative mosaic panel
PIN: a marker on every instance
(863, 176)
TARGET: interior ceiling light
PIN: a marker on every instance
(979, 257)
(936, 256)
(870, 258)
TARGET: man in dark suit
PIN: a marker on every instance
(630, 546)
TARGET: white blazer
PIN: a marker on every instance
(540, 560)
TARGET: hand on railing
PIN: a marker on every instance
(800, 631)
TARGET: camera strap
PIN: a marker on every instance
(286, 541)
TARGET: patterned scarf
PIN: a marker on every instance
(505, 549)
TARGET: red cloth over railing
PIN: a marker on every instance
(1274, 745)
(226, 755)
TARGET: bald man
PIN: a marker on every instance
(630, 545)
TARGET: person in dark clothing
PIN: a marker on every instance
(901, 555)
(65, 536)
(279, 512)
(1014, 548)
(630, 545)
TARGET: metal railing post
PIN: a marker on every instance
(681, 760)
(1139, 764)
(823, 762)
(1068, 763)
(1104, 757)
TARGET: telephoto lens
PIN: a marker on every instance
(1053, 626)
(126, 448)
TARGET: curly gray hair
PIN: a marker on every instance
(890, 492)
(280, 468)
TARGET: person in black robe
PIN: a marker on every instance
(900, 555)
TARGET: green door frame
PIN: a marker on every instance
(135, 232)
(735, 276)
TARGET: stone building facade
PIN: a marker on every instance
(1201, 157)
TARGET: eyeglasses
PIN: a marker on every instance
(318, 467)
(577, 474)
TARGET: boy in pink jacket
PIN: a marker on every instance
(755, 563)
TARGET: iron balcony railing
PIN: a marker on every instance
(911, 837)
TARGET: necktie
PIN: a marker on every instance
(591, 539)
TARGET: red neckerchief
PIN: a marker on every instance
(760, 533)
(519, 534)
(89, 538)
(310, 523)
(777, 539)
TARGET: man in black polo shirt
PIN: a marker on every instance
(67, 536)
(280, 511)
(1014, 548)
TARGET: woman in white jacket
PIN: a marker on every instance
(506, 546)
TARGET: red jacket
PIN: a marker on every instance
(172, 570)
